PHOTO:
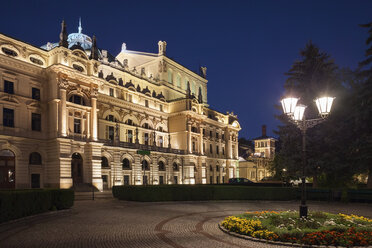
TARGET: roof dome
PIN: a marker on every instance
(76, 38)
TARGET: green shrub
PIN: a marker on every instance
(20, 203)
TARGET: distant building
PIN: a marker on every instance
(256, 167)
(264, 146)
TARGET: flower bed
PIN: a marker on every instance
(319, 228)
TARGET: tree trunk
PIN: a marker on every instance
(369, 180)
(315, 181)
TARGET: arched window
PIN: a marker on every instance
(126, 164)
(161, 166)
(77, 100)
(104, 162)
(111, 118)
(175, 166)
(129, 122)
(145, 165)
(35, 158)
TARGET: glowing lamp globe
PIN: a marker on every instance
(324, 105)
(299, 111)
(289, 105)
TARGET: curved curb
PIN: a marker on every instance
(287, 244)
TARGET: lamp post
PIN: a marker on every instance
(295, 112)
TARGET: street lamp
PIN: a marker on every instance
(296, 116)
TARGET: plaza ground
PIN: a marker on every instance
(107, 222)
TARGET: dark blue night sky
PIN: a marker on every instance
(246, 45)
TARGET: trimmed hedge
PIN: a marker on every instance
(231, 192)
(201, 193)
(20, 203)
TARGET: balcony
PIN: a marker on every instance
(143, 147)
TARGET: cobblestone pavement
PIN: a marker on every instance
(113, 223)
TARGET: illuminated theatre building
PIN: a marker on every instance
(73, 114)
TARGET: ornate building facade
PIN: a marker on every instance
(72, 114)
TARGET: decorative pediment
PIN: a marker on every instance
(10, 98)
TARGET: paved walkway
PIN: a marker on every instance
(113, 223)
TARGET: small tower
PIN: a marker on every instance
(162, 47)
(63, 35)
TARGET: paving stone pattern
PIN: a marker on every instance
(113, 223)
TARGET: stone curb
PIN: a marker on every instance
(274, 242)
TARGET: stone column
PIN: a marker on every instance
(189, 145)
(88, 125)
(94, 118)
(62, 113)
(201, 140)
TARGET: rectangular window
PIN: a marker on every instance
(144, 180)
(111, 92)
(147, 103)
(193, 146)
(161, 179)
(210, 133)
(111, 132)
(129, 98)
(77, 126)
(217, 150)
(146, 139)
(175, 179)
(211, 179)
(216, 135)
(203, 131)
(223, 136)
(8, 87)
(130, 136)
(210, 148)
(8, 117)
(126, 180)
(35, 181)
(161, 141)
(36, 93)
(223, 150)
(161, 107)
(203, 147)
(36, 122)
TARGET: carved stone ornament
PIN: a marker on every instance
(24, 52)
(125, 64)
(63, 83)
(160, 66)
(94, 92)
(164, 67)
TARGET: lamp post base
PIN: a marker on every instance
(303, 211)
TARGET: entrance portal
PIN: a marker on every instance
(77, 168)
(7, 169)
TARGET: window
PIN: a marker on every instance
(210, 148)
(146, 139)
(130, 136)
(175, 179)
(35, 158)
(9, 52)
(217, 150)
(203, 131)
(35, 181)
(175, 167)
(126, 180)
(36, 122)
(111, 133)
(210, 133)
(211, 179)
(170, 76)
(217, 168)
(111, 92)
(194, 129)
(8, 117)
(161, 108)
(218, 179)
(161, 141)
(253, 174)
(161, 179)
(129, 98)
(223, 136)
(104, 162)
(178, 81)
(77, 126)
(147, 103)
(110, 118)
(36, 93)
(210, 168)
(78, 67)
(36, 61)
(126, 164)
(193, 146)
(145, 165)
(161, 166)
(146, 125)
(129, 122)
(8, 87)
(160, 129)
(144, 179)
(203, 147)
(77, 99)
(223, 150)
(216, 135)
